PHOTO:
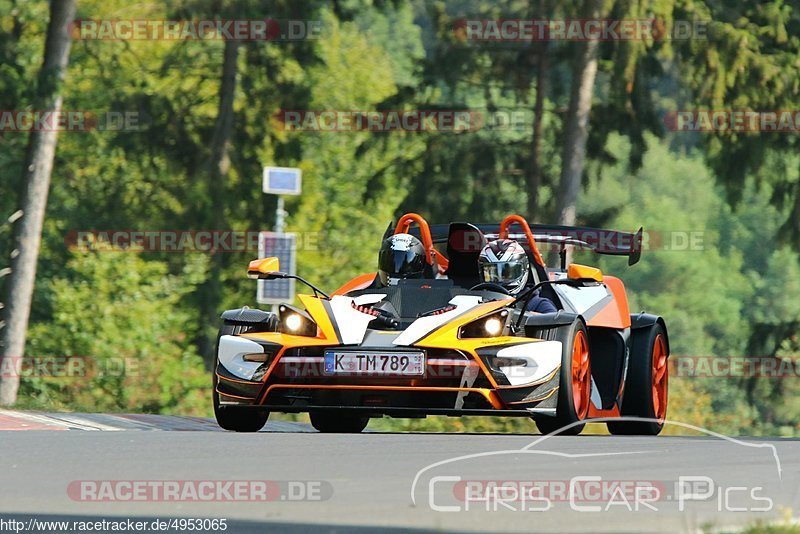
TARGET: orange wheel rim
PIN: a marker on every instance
(581, 375)
(660, 378)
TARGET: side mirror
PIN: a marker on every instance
(265, 269)
(584, 272)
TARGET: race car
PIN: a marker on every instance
(450, 343)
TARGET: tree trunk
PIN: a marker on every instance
(219, 167)
(535, 166)
(36, 184)
(577, 121)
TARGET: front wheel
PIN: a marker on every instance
(646, 387)
(575, 382)
(338, 423)
(235, 418)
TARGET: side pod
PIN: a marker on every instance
(535, 323)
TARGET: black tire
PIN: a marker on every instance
(234, 418)
(338, 422)
(566, 412)
(639, 398)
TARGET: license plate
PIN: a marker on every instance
(371, 363)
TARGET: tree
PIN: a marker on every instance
(36, 184)
(535, 162)
(747, 61)
(347, 175)
(219, 166)
(576, 124)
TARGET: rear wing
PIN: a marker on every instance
(608, 242)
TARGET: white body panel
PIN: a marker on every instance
(542, 357)
(425, 325)
(231, 355)
(352, 323)
(583, 298)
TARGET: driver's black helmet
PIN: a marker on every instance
(401, 256)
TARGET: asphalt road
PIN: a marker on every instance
(374, 481)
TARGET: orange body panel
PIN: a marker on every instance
(597, 412)
(576, 271)
(264, 265)
(359, 282)
(616, 313)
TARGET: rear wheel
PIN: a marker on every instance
(234, 418)
(338, 423)
(646, 388)
(575, 385)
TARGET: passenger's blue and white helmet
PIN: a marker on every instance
(505, 262)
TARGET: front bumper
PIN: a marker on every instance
(455, 382)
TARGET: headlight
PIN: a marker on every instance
(296, 322)
(492, 325)
(293, 322)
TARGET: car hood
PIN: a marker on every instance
(340, 319)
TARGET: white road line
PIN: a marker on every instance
(101, 422)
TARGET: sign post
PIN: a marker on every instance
(279, 181)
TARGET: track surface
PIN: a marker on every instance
(365, 480)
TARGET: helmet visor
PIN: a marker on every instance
(503, 271)
(401, 263)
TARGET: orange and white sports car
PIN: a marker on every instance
(449, 344)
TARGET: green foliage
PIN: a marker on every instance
(676, 201)
(347, 202)
(121, 316)
(714, 295)
(749, 62)
(765, 528)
